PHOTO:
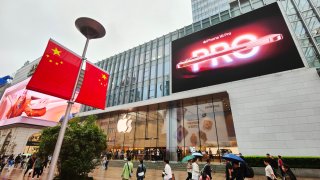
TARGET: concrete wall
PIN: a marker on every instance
(18, 140)
(278, 113)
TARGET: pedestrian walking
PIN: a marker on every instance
(195, 169)
(280, 164)
(238, 171)
(273, 163)
(228, 170)
(288, 174)
(103, 162)
(167, 172)
(17, 160)
(10, 164)
(269, 171)
(29, 166)
(141, 171)
(106, 164)
(207, 169)
(37, 167)
(127, 169)
(189, 170)
(2, 162)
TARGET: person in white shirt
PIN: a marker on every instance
(269, 172)
(167, 173)
(195, 169)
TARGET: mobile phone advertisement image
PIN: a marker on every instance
(18, 101)
(254, 44)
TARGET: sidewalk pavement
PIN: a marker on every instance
(114, 173)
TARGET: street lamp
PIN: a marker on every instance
(91, 29)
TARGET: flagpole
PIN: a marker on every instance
(91, 29)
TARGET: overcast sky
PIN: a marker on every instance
(26, 26)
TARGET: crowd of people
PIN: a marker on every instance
(234, 170)
(32, 164)
(153, 154)
(239, 170)
(275, 169)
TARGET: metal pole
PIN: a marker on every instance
(215, 124)
(65, 121)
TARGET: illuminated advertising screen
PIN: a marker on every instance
(18, 101)
(254, 44)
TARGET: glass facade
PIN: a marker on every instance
(201, 123)
(202, 9)
(143, 72)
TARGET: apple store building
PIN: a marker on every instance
(244, 80)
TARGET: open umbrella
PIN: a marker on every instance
(187, 158)
(197, 154)
(232, 157)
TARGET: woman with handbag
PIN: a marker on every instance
(127, 170)
(141, 171)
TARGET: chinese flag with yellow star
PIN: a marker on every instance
(57, 71)
(93, 91)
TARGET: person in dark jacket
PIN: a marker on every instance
(273, 164)
(207, 168)
(288, 174)
(238, 171)
(29, 165)
(228, 170)
(141, 171)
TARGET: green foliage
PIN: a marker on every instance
(83, 142)
(312, 162)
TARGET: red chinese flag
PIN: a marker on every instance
(57, 72)
(93, 91)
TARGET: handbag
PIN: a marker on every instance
(140, 174)
(163, 173)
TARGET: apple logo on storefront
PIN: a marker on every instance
(124, 124)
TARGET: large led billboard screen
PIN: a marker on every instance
(254, 44)
(18, 101)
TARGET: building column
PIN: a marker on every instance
(171, 126)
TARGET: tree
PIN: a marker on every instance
(83, 142)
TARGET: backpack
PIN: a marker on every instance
(248, 171)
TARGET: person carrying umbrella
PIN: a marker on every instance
(189, 170)
(238, 166)
(228, 170)
(189, 165)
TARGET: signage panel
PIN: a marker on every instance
(250, 45)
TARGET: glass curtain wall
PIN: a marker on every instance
(140, 133)
(205, 125)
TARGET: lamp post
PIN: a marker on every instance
(91, 29)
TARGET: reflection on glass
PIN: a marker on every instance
(205, 124)
(140, 133)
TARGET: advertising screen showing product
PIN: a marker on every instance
(254, 44)
(18, 101)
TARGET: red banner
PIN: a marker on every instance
(57, 71)
(93, 91)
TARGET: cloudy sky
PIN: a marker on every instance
(26, 26)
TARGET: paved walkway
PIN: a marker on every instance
(113, 173)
